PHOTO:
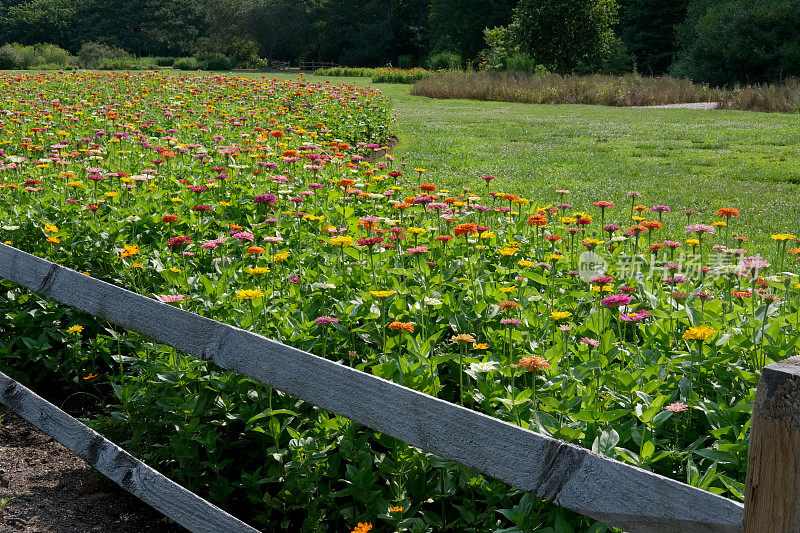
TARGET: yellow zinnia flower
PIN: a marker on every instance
(699, 333)
(342, 240)
(382, 294)
(249, 294)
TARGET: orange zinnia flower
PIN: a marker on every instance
(402, 326)
(728, 212)
(465, 229)
(255, 250)
(533, 363)
(651, 224)
(463, 338)
(537, 220)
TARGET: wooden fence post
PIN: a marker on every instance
(772, 493)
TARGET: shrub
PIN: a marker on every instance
(39, 56)
(11, 57)
(214, 61)
(444, 60)
(92, 54)
(621, 61)
(164, 61)
(397, 75)
(349, 72)
(244, 54)
(54, 55)
(405, 62)
(521, 62)
(499, 47)
(186, 63)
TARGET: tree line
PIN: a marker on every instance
(715, 41)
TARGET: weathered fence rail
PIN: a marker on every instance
(617, 494)
(153, 488)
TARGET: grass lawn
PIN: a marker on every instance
(682, 158)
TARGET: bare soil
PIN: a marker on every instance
(55, 491)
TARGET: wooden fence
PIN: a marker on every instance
(314, 65)
(620, 495)
(153, 488)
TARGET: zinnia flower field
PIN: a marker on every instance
(634, 330)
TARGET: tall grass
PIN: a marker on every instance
(597, 89)
(556, 89)
(780, 98)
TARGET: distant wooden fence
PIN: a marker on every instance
(314, 65)
(279, 65)
(620, 495)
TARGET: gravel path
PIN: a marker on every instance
(55, 491)
(693, 105)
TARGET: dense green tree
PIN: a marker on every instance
(40, 21)
(744, 41)
(647, 27)
(566, 35)
(457, 25)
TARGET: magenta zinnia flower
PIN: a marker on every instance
(269, 199)
(510, 321)
(369, 241)
(325, 320)
(616, 300)
(635, 317)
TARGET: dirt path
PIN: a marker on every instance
(693, 105)
(55, 491)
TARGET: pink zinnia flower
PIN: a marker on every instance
(616, 300)
(325, 320)
(700, 228)
(590, 342)
(417, 250)
(170, 298)
(242, 236)
(677, 407)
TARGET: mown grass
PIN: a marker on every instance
(629, 90)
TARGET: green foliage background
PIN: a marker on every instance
(721, 42)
